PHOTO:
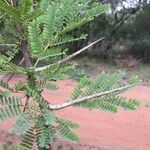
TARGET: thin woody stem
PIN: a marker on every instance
(11, 76)
(24, 48)
(26, 59)
(73, 102)
(26, 103)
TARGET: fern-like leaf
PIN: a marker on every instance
(9, 112)
(66, 133)
(68, 39)
(58, 72)
(28, 139)
(22, 124)
(5, 85)
(110, 103)
(14, 12)
(12, 53)
(49, 117)
(83, 83)
(68, 123)
(37, 97)
(19, 147)
(9, 100)
(25, 6)
(45, 136)
(35, 39)
(47, 84)
(102, 83)
(31, 15)
(19, 86)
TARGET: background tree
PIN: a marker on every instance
(119, 26)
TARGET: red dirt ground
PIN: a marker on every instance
(124, 130)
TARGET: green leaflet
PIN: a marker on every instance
(67, 39)
(19, 147)
(110, 103)
(6, 99)
(15, 147)
(31, 15)
(5, 85)
(9, 67)
(66, 133)
(134, 80)
(83, 83)
(49, 117)
(14, 12)
(78, 74)
(52, 54)
(123, 102)
(58, 72)
(45, 136)
(22, 125)
(46, 84)
(28, 139)
(68, 123)
(5, 147)
(22, 13)
(99, 104)
(36, 42)
(37, 97)
(104, 82)
(25, 6)
(12, 53)
(9, 112)
(97, 10)
(19, 86)
(43, 4)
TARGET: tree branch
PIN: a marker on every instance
(26, 56)
(26, 103)
(70, 56)
(73, 102)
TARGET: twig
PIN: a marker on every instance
(73, 102)
(70, 56)
(11, 76)
(26, 104)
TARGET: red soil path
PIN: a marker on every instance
(124, 130)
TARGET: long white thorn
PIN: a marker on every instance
(91, 97)
(70, 56)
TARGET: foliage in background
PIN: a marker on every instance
(127, 27)
(39, 31)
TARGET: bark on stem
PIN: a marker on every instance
(26, 103)
(27, 61)
(24, 48)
